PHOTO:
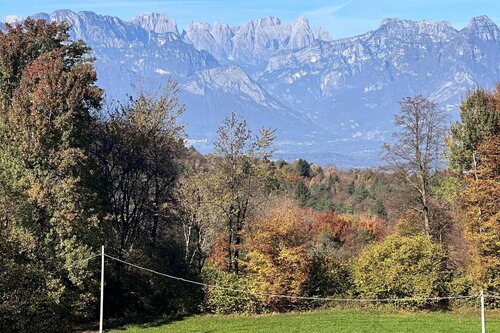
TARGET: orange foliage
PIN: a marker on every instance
(277, 260)
(482, 215)
(328, 222)
(373, 225)
(218, 256)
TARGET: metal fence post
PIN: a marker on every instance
(101, 317)
(483, 322)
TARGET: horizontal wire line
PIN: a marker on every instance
(311, 298)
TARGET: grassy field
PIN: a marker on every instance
(342, 321)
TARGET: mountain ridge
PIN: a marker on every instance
(330, 99)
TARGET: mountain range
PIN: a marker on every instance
(331, 101)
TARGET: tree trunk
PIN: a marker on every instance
(230, 245)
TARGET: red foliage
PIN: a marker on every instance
(373, 225)
(337, 226)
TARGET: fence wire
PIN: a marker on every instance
(310, 298)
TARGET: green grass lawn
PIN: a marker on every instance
(353, 321)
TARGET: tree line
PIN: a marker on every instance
(78, 172)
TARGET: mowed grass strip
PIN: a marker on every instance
(342, 321)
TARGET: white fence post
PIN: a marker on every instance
(101, 317)
(483, 323)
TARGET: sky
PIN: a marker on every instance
(342, 18)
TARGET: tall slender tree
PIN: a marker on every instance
(238, 179)
(416, 152)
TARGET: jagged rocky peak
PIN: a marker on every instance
(253, 42)
(436, 30)
(322, 34)
(223, 34)
(481, 21)
(264, 28)
(483, 27)
(159, 23)
(99, 30)
(269, 21)
(301, 34)
(71, 17)
(198, 33)
(195, 25)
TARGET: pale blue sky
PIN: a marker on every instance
(341, 18)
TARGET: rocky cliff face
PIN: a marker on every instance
(159, 23)
(252, 43)
(359, 80)
(331, 100)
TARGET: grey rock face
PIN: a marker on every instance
(331, 101)
(159, 23)
(253, 43)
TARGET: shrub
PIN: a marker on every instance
(220, 300)
(329, 276)
(402, 267)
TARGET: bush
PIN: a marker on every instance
(329, 276)
(402, 267)
(223, 301)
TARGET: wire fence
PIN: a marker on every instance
(310, 298)
(481, 296)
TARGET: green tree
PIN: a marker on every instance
(303, 168)
(138, 149)
(351, 188)
(302, 193)
(47, 101)
(478, 120)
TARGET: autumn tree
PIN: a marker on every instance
(47, 101)
(416, 152)
(277, 260)
(24, 43)
(239, 178)
(481, 205)
(474, 147)
(202, 222)
(138, 148)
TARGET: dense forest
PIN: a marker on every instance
(78, 172)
